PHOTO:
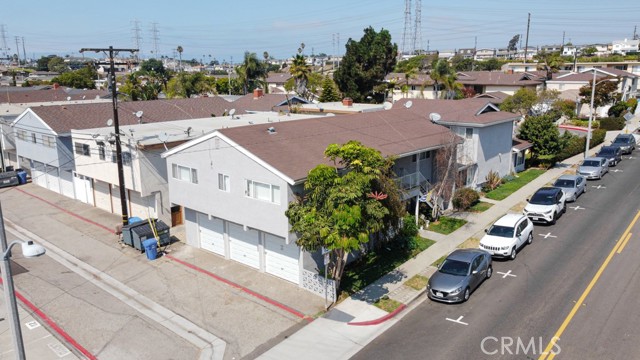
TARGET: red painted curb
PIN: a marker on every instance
(54, 326)
(242, 288)
(380, 320)
(68, 212)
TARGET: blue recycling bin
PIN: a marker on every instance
(151, 248)
(22, 176)
(134, 219)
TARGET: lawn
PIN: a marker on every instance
(375, 265)
(446, 225)
(387, 304)
(480, 206)
(508, 188)
(417, 282)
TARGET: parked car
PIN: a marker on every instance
(459, 275)
(613, 154)
(572, 185)
(546, 205)
(593, 167)
(626, 142)
(507, 235)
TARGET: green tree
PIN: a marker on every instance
(78, 79)
(251, 73)
(589, 51)
(179, 49)
(42, 64)
(185, 85)
(452, 88)
(492, 64)
(550, 62)
(300, 72)
(459, 63)
(513, 44)
(520, 102)
(346, 203)
(543, 133)
(329, 91)
(439, 72)
(606, 92)
(365, 64)
(418, 62)
(57, 64)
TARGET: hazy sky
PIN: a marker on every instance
(221, 29)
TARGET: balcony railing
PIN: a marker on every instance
(413, 181)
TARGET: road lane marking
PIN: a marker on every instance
(458, 320)
(508, 273)
(599, 187)
(577, 207)
(624, 243)
(547, 235)
(547, 354)
(616, 170)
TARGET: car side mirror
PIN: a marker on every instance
(474, 272)
(527, 200)
(486, 231)
(519, 234)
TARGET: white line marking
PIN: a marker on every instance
(617, 170)
(32, 325)
(508, 273)
(458, 320)
(547, 235)
(577, 207)
(598, 187)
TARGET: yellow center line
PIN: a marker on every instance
(624, 243)
(548, 354)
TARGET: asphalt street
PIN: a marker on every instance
(516, 313)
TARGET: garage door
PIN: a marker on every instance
(83, 189)
(281, 259)
(103, 195)
(243, 245)
(38, 174)
(53, 180)
(211, 234)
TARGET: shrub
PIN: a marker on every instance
(633, 104)
(612, 123)
(597, 137)
(408, 232)
(492, 181)
(464, 198)
(574, 145)
(618, 109)
(566, 107)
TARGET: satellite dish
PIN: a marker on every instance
(139, 114)
(68, 98)
(408, 104)
(109, 122)
(435, 117)
(163, 137)
(387, 105)
(232, 112)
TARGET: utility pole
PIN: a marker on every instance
(17, 50)
(475, 49)
(229, 75)
(563, 40)
(24, 53)
(526, 42)
(114, 94)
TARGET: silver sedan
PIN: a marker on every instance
(593, 167)
(572, 186)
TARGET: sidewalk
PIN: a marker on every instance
(332, 337)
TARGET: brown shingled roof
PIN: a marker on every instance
(498, 78)
(63, 118)
(298, 146)
(266, 102)
(49, 95)
(463, 111)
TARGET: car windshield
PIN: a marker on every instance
(502, 231)
(454, 267)
(543, 198)
(564, 183)
(607, 151)
(620, 140)
(593, 163)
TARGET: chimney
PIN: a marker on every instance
(257, 93)
(347, 102)
(56, 86)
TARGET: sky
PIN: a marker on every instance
(225, 30)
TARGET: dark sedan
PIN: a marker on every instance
(459, 275)
(626, 143)
(613, 154)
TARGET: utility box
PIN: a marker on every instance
(135, 234)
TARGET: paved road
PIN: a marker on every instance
(550, 276)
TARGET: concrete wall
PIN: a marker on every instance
(494, 150)
(37, 151)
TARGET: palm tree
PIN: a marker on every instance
(300, 71)
(451, 85)
(251, 71)
(180, 50)
(439, 72)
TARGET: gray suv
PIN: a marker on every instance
(626, 143)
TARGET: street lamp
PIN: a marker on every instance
(29, 249)
(593, 94)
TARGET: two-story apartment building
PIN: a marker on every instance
(491, 81)
(247, 176)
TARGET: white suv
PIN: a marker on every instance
(507, 235)
(546, 205)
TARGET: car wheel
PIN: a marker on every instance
(467, 293)
(529, 239)
(514, 253)
(553, 219)
(489, 272)
(564, 208)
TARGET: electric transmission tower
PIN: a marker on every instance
(417, 30)
(3, 34)
(407, 26)
(137, 37)
(154, 37)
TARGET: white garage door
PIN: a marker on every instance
(66, 184)
(38, 174)
(103, 195)
(281, 259)
(53, 181)
(83, 189)
(243, 245)
(211, 234)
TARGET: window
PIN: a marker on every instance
(82, 149)
(468, 134)
(423, 156)
(49, 141)
(101, 152)
(126, 158)
(33, 138)
(223, 182)
(184, 173)
(22, 135)
(262, 191)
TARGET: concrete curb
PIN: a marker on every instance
(379, 320)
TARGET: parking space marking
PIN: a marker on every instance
(616, 170)
(577, 207)
(32, 325)
(598, 187)
(547, 235)
(508, 273)
(458, 320)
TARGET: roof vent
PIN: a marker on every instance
(271, 130)
(435, 117)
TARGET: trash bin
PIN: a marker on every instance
(134, 219)
(22, 176)
(151, 248)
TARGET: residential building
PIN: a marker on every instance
(276, 80)
(491, 81)
(259, 101)
(416, 86)
(625, 46)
